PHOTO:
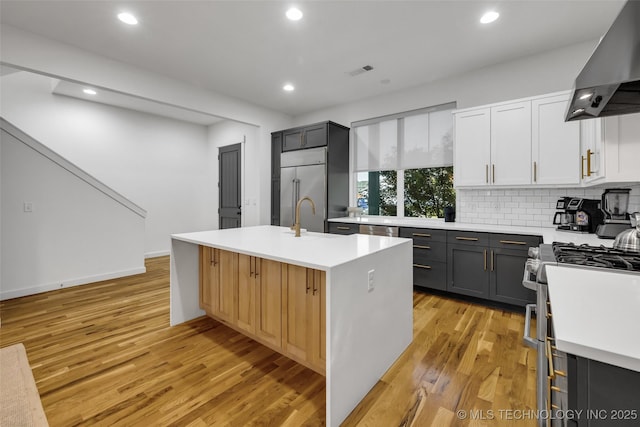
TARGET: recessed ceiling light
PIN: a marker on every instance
(489, 17)
(288, 87)
(586, 95)
(89, 91)
(127, 18)
(294, 14)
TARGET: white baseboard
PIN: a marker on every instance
(156, 254)
(69, 283)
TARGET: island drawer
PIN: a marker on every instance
(468, 238)
(423, 235)
(343, 228)
(431, 275)
(431, 251)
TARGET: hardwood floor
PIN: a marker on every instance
(104, 354)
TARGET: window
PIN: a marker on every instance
(403, 163)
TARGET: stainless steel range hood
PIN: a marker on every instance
(609, 84)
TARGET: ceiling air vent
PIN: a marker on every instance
(360, 70)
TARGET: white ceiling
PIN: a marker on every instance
(248, 49)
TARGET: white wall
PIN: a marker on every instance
(161, 164)
(74, 233)
(534, 75)
(25, 50)
(254, 156)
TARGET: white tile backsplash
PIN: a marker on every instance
(527, 207)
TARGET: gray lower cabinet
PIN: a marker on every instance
(489, 265)
(429, 256)
(603, 395)
(467, 271)
(343, 228)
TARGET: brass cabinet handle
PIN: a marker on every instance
(308, 287)
(472, 239)
(213, 257)
(421, 234)
(589, 154)
(582, 166)
(491, 260)
(535, 171)
(343, 228)
(255, 266)
(513, 242)
(422, 247)
(426, 267)
(493, 173)
(486, 174)
(251, 267)
(315, 288)
(485, 260)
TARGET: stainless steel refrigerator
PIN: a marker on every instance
(304, 173)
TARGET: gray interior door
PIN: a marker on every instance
(229, 185)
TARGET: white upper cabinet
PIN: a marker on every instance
(555, 144)
(511, 144)
(591, 151)
(622, 148)
(527, 143)
(472, 147)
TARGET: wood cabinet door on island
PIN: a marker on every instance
(319, 321)
(218, 283)
(224, 284)
(303, 326)
(269, 301)
(207, 268)
(247, 289)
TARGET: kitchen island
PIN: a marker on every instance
(368, 304)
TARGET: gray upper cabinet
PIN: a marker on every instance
(325, 134)
(305, 137)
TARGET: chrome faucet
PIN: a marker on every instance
(296, 226)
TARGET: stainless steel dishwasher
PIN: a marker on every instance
(379, 230)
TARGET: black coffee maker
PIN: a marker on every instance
(615, 205)
(580, 215)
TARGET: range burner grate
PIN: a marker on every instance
(596, 256)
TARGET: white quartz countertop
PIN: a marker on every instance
(314, 250)
(549, 234)
(596, 314)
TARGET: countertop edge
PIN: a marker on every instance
(189, 238)
(549, 234)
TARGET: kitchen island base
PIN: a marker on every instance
(367, 326)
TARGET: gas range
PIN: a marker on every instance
(596, 256)
(579, 256)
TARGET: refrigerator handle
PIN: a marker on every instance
(294, 192)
